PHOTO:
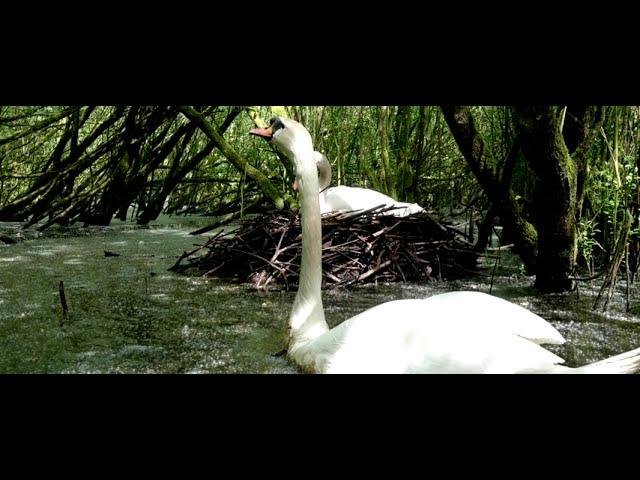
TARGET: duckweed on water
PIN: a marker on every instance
(128, 314)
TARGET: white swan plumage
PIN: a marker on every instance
(455, 332)
(343, 198)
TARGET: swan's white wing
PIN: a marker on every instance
(494, 312)
(460, 332)
(406, 210)
(353, 198)
(356, 198)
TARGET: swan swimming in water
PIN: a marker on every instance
(355, 198)
(456, 332)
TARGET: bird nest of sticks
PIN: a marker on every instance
(357, 248)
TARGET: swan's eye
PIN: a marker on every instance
(276, 124)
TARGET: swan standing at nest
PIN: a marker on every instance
(457, 332)
(355, 198)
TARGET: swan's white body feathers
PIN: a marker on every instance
(458, 332)
(343, 198)
(356, 198)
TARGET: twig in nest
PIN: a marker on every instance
(357, 247)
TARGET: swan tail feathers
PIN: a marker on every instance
(625, 363)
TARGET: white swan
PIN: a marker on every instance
(355, 198)
(458, 332)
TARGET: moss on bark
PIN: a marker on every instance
(236, 160)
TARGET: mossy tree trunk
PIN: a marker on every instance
(549, 248)
(543, 145)
(494, 183)
(555, 141)
(236, 160)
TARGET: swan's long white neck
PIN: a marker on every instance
(306, 321)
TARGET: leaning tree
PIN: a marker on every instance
(555, 142)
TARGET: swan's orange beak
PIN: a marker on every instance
(266, 133)
(296, 185)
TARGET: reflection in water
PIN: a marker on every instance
(128, 314)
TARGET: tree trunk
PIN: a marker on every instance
(556, 194)
(236, 160)
(486, 171)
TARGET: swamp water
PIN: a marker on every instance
(128, 314)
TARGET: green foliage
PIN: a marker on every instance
(588, 232)
(60, 162)
(612, 186)
(424, 164)
(613, 189)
